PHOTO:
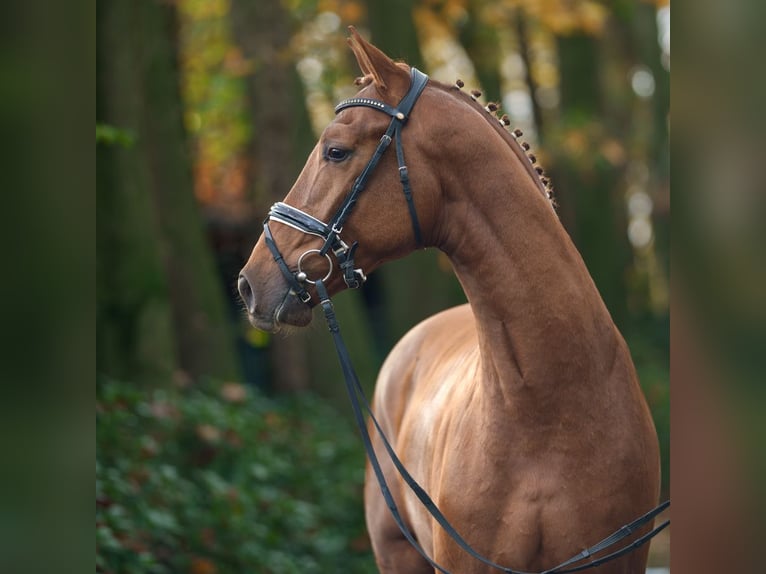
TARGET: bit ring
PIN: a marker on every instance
(303, 273)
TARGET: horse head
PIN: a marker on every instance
(307, 238)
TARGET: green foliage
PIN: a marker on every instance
(218, 478)
(110, 135)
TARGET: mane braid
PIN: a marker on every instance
(536, 172)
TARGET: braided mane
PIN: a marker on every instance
(529, 160)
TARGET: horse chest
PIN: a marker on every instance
(456, 453)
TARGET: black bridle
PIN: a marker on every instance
(330, 233)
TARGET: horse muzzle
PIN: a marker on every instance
(270, 303)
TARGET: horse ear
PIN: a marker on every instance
(387, 75)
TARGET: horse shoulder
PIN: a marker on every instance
(413, 366)
(427, 373)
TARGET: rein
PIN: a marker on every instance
(330, 232)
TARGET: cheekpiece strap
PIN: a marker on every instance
(419, 81)
(295, 285)
(399, 116)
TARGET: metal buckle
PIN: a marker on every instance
(356, 279)
(305, 298)
(342, 248)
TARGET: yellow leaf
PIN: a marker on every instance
(592, 17)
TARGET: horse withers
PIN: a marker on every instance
(520, 413)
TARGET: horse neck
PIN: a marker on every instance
(544, 333)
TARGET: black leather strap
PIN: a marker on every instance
(353, 277)
(418, 81)
(614, 555)
(340, 217)
(295, 285)
(615, 537)
(404, 177)
(399, 116)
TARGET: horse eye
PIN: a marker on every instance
(336, 154)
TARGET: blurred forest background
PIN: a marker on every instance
(211, 458)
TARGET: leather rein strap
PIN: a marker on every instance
(330, 232)
(360, 405)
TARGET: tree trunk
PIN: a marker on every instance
(393, 30)
(483, 47)
(157, 283)
(281, 142)
(591, 199)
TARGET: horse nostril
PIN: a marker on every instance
(246, 292)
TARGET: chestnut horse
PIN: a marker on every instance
(520, 413)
